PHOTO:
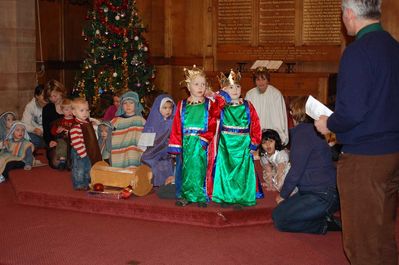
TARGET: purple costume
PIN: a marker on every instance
(156, 156)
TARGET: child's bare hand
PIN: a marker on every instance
(170, 180)
(38, 131)
(209, 93)
(52, 144)
(279, 199)
(60, 129)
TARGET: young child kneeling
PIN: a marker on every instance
(274, 159)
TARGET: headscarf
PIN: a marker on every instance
(3, 124)
(133, 96)
(155, 121)
(10, 135)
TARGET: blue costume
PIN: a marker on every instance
(156, 156)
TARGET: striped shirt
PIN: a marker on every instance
(77, 140)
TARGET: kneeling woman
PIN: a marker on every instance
(313, 172)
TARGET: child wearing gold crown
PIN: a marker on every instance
(235, 182)
(193, 128)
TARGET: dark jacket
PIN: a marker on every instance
(366, 117)
(312, 168)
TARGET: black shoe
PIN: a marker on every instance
(333, 224)
(237, 207)
(182, 203)
(62, 165)
(225, 205)
(202, 204)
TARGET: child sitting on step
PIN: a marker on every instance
(274, 159)
(17, 151)
(60, 131)
(6, 120)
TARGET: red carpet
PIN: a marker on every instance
(45, 236)
(50, 188)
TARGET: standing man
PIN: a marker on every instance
(269, 104)
(366, 121)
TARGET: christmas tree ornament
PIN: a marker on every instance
(117, 53)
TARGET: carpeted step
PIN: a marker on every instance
(46, 187)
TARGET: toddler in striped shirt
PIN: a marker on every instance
(85, 150)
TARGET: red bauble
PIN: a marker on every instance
(98, 187)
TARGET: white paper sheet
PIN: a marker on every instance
(315, 108)
(146, 139)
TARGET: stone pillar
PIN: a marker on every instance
(17, 54)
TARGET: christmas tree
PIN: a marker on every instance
(117, 54)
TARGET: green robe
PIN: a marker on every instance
(234, 176)
(194, 156)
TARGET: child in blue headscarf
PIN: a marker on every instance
(6, 120)
(17, 150)
(104, 134)
(160, 122)
(127, 127)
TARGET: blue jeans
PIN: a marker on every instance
(80, 170)
(37, 140)
(306, 212)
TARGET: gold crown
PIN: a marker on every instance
(233, 78)
(190, 74)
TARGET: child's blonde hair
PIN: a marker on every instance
(78, 101)
(66, 103)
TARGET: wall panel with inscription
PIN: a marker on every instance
(288, 30)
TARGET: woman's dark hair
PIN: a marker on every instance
(270, 134)
(261, 72)
(39, 89)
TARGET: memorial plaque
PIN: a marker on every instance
(321, 22)
(234, 21)
(276, 21)
(288, 30)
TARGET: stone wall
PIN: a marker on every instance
(17, 54)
